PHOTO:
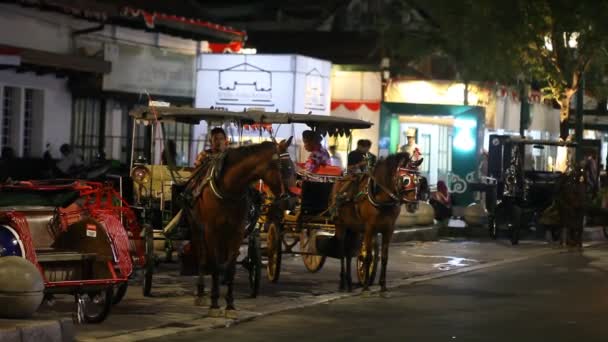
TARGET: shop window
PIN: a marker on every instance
(444, 149)
(10, 113)
(28, 116)
(86, 127)
(425, 142)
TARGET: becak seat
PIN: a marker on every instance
(325, 170)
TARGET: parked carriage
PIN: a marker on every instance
(527, 179)
(157, 188)
(81, 237)
(307, 228)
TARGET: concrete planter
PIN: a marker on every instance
(21, 287)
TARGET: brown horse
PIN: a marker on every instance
(374, 211)
(220, 210)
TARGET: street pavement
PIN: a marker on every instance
(171, 310)
(556, 297)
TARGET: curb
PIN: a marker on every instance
(206, 323)
(35, 331)
(422, 233)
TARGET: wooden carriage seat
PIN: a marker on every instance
(326, 170)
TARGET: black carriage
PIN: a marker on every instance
(527, 172)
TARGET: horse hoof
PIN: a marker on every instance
(231, 314)
(200, 301)
(215, 312)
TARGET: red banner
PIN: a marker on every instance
(355, 105)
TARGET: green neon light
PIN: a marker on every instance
(394, 145)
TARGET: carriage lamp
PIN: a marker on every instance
(141, 177)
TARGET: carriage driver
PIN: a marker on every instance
(219, 144)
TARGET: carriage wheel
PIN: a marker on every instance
(492, 228)
(274, 252)
(254, 263)
(93, 307)
(308, 244)
(373, 266)
(120, 292)
(150, 260)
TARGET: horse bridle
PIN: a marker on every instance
(406, 181)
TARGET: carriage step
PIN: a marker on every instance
(53, 256)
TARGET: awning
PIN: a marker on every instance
(43, 61)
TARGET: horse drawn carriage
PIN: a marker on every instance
(530, 177)
(81, 237)
(314, 225)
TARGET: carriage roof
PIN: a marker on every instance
(321, 123)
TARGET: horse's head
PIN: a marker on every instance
(269, 169)
(408, 184)
(288, 169)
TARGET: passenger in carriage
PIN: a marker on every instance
(219, 144)
(361, 159)
(318, 154)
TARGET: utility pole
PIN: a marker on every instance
(578, 129)
(524, 111)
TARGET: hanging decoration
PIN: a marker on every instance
(152, 18)
(355, 105)
(257, 127)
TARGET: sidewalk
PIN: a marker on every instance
(172, 309)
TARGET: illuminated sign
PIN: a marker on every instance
(464, 137)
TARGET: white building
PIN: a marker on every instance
(70, 76)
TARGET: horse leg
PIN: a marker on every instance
(214, 310)
(230, 309)
(349, 278)
(386, 239)
(367, 258)
(200, 289)
(341, 248)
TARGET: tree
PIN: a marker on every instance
(499, 41)
(561, 41)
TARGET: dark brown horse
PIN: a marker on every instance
(220, 213)
(374, 211)
(571, 206)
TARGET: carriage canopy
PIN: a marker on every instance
(320, 123)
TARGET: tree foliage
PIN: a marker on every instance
(488, 40)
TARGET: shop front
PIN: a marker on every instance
(449, 138)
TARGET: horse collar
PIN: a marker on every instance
(376, 204)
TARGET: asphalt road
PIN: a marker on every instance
(560, 297)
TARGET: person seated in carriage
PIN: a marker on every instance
(318, 156)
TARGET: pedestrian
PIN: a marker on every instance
(70, 161)
(441, 202)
